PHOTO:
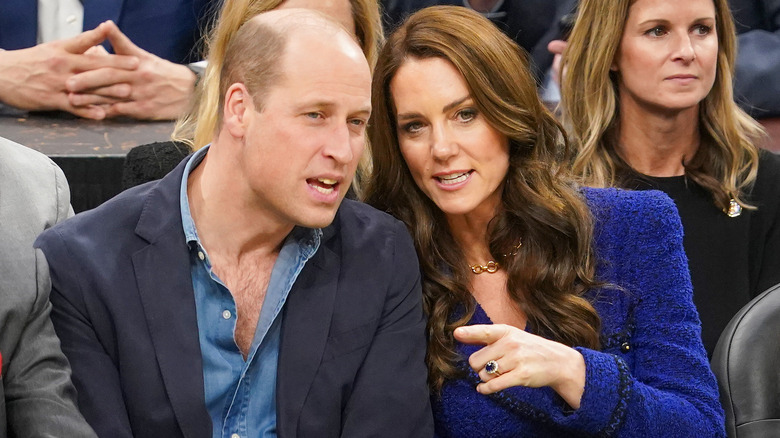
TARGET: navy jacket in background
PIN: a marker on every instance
(757, 85)
(170, 29)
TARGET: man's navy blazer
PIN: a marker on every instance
(351, 360)
(170, 29)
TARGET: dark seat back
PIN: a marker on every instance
(746, 363)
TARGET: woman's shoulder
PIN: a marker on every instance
(768, 170)
(765, 191)
(631, 225)
(632, 208)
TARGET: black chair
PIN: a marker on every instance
(149, 162)
(746, 363)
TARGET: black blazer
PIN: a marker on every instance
(352, 350)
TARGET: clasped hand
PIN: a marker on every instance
(78, 76)
(155, 89)
(524, 359)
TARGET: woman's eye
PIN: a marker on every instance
(467, 115)
(412, 127)
(702, 29)
(656, 31)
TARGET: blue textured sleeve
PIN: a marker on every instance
(654, 379)
(657, 381)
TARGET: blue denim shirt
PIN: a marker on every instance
(241, 395)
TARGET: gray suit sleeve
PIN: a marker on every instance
(63, 208)
(40, 398)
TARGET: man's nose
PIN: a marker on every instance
(339, 145)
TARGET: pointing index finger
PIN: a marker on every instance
(480, 333)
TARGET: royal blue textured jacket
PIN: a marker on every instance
(651, 377)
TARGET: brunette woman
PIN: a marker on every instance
(553, 310)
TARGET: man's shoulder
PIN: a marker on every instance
(114, 221)
(360, 212)
(23, 161)
(356, 218)
(35, 193)
(362, 227)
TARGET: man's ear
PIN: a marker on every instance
(238, 104)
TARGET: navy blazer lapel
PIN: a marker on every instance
(162, 270)
(98, 11)
(18, 24)
(307, 317)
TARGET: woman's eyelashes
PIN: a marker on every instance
(411, 128)
(702, 29)
(656, 31)
(697, 29)
(464, 116)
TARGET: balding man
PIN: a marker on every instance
(237, 296)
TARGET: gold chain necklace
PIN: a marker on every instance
(492, 266)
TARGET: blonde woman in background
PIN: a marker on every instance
(648, 100)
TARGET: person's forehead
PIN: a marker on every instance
(324, 71)
(321, 46)
(338, 10)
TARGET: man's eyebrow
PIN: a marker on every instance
(318, 104)
(363, 110)
(325, 104)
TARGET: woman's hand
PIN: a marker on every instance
(524, 359)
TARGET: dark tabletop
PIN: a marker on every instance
(59, 134)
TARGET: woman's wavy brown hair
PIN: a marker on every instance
(540, 204)
(727, 159)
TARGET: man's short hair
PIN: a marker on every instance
(253, 58)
